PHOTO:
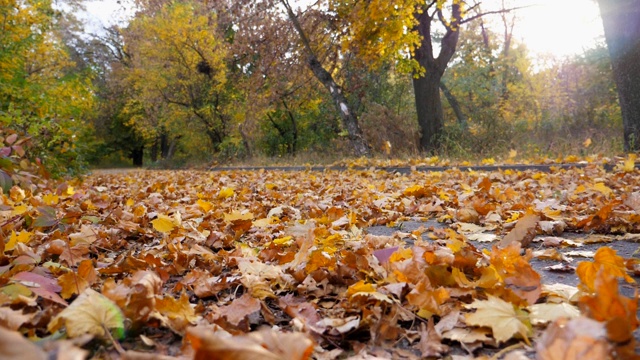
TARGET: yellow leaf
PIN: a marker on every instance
(287, 240)
(90, 313)
(630, 163)
(415, 190)
(19, 210)
(130, 202)
(70, 190)
(238, 215)
(488, 161)
(50, 199)
(401, 254)
(176, 314)
(360, 287)
(163, 224)
(512, 154)
(500, 316)
(22, 237)
(226, 192)
(601, 187)
(205, 205)
(587, 143)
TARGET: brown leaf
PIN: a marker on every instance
(75, 283)
(13, 346)
(523, 232)
(575, 339)
(430, 344)
(240, 308)
(264, 344)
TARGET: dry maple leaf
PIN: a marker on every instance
(523, 232)
(264, 344)
(13, 346)
(575, 339)
(74, 283)
(240, 308)
(606, 303)
(163, 223)
(430, 344)
(504, 319)
(175, 314)
(90, 313)
(605, 260)
(545, 313)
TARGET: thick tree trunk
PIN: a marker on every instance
(429, 110)
(137, 155)
(349, 119)
(427, 87)
(621, 19)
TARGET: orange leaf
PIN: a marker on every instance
(606, 303)
(75, 283)
(605, 259)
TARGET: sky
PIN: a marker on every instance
(558, 27)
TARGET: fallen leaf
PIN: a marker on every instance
(575, 339)
(545, 313)
(523, 232)
(502, 317)
(240, 308)
(13, 346)
(606, 260)
(430, 344)
(90, 313)
(15, 238)
(74, 283)
(163, 223)
(264, 344)
(606, 303)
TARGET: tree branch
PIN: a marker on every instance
(502, 11)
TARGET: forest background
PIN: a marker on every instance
(196, 82)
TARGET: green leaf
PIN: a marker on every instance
(47, 217)
(6, 182)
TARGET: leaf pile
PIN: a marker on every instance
(268, 264)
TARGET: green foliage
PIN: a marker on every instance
(287, 131)
(39, 95)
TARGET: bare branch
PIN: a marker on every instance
(502, 11)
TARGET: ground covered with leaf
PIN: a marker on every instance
(286, 265)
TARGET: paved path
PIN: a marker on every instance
(409, 169)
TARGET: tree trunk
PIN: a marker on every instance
(427, 87)
(455, 105)
(349, 119)
(429, 110)
(621, 20)
(137, 155)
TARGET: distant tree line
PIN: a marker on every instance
(196, 81)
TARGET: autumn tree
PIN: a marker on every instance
(621, 19)
(178, 75)
(41, 92)
(347, 115)
(449, 16)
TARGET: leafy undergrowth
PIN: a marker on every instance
(277, 265)
(513, 158)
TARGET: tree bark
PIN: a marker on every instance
(137, 156)
(621, 20)
(349, 119)
(427, 87)
(455, 105)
